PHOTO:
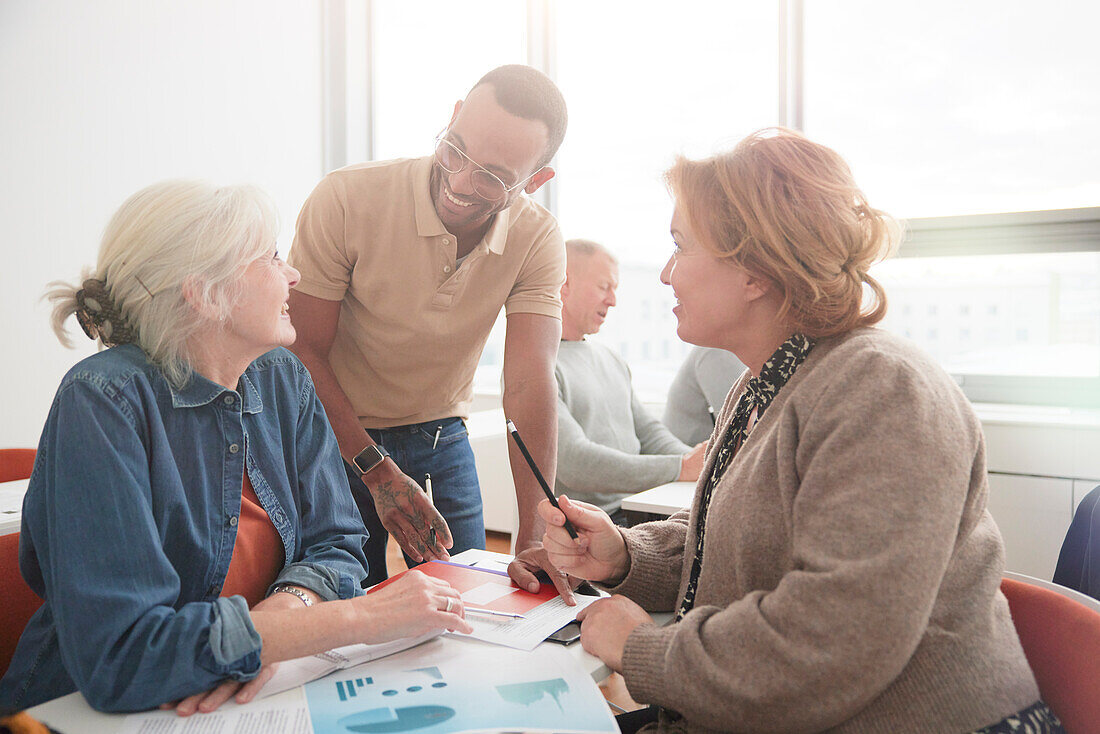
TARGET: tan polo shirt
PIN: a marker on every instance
(412, 325)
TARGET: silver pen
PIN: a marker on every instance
(476, 610)
(428, 491)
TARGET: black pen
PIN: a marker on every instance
(428, 490)
(538, 475)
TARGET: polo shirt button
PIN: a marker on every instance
(446, 241)
(234, 448)
(233, 521)
(446, 268)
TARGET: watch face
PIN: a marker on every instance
(369, 458)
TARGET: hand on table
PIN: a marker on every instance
(207, 701)
(598, 553)
(407, 513)
(691, 465)
(605, 625)
(533, 559)
(240, 691)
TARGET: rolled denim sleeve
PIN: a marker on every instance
(111, 587)
(234, 638)
(331, 563)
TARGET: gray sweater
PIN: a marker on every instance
(609, 446)
(702, 382)
(850, 572)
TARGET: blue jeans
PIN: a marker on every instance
(455, 489)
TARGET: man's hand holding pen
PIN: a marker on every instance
(532, 560)
(408, 514)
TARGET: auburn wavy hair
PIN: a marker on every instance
(787, 209)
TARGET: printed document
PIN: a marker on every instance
(449, 686)
(484, 588)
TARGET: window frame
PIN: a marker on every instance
(1012, 233)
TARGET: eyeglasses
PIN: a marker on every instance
(488, 186)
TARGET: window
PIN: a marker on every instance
(426, 55)
(973, 121)
(947, 108)
(970, 111)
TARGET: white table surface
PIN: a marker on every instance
(11, 505)
(663, 500)
(71, 714)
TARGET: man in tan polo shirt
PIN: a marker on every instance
(405, 266)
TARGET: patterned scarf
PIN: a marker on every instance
(758, 395)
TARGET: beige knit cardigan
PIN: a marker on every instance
(850, 570)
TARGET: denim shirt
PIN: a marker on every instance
(130, 519)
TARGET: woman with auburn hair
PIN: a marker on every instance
(188, 511)
(838, 570)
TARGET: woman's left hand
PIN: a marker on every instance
(241, 691)
(207, 701)
(605, 625)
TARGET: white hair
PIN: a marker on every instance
(164, 236)
(587, 248)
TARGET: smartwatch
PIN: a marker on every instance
(369, 458)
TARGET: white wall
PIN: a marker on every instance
(101, 98)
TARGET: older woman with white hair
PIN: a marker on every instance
(188, 511)
(838, 570)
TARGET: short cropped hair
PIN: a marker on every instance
(787, 209)
(162, 236)
(585, 248)
(528, 93)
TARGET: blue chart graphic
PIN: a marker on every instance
(346, 688)
(489, 690)
(526, 694)
(387, 720)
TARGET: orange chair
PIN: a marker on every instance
(16, 464)
(1061, 638)
(19, 601)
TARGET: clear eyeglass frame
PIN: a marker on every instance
(486, 184)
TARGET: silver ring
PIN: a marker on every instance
(447, 608)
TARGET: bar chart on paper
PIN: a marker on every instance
(346, 689)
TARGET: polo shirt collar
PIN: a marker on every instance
(427, 220)
(200, 391)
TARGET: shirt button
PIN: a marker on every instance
(446, 241)
(446, 268)
(228, 399)
(233, 521)
(234, 448)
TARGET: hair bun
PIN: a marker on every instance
(98, 316)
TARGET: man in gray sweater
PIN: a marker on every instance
(609, 446)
